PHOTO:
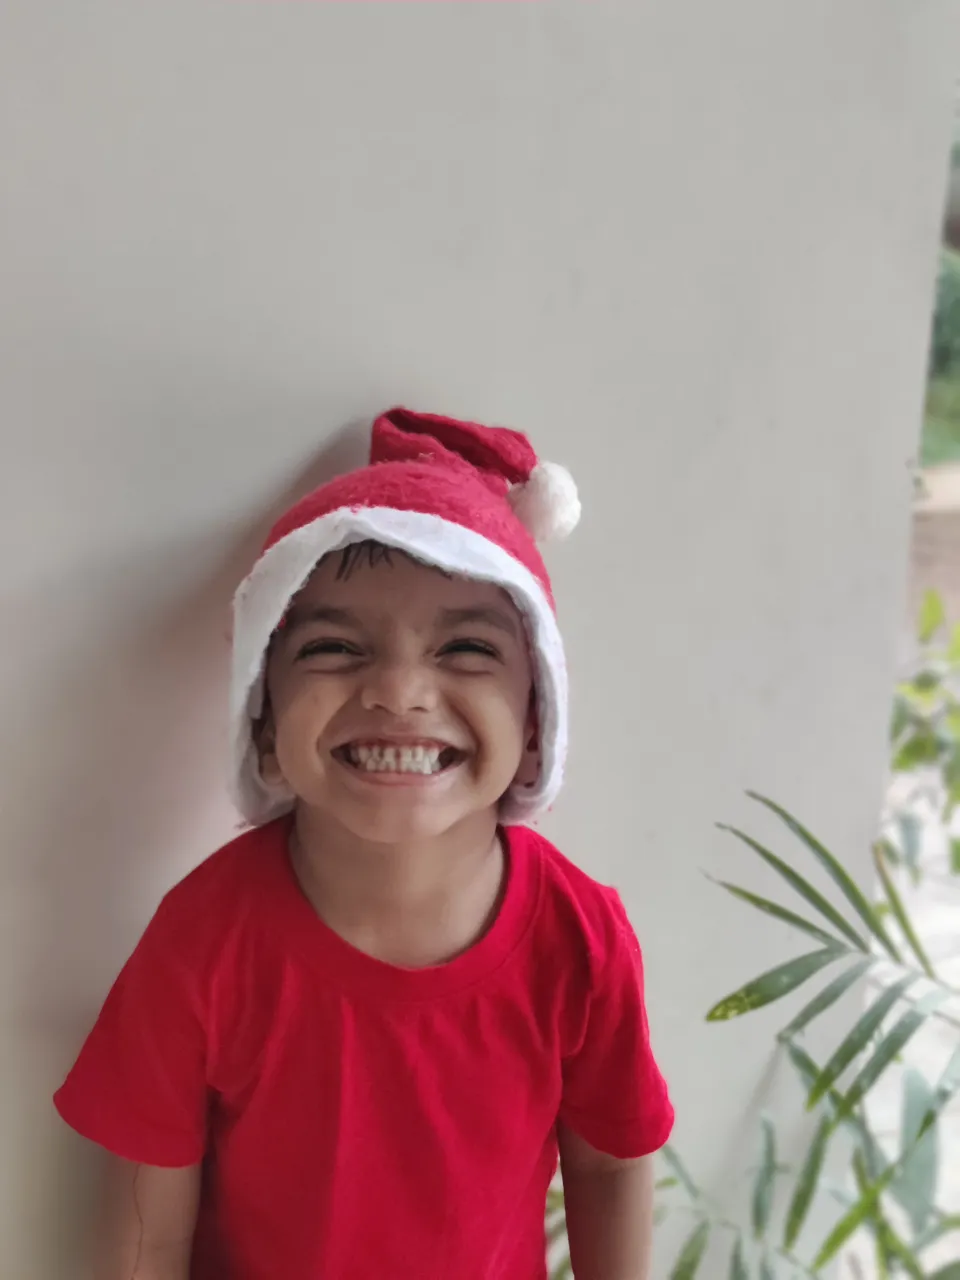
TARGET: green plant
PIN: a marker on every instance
(890, 1195)
(945, 337)
(940, 441)
(925, 742)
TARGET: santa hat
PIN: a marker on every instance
(468, 499)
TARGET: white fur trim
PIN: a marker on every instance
(548, 503)
(263, 597)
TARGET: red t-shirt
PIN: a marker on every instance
(359, 1121)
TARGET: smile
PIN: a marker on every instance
(423, 758)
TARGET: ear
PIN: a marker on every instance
(528, 770)
(265, 741)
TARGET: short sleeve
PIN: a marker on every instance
(614, 1096)
(138, 1087)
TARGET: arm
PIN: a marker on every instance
(609, 1204)
(149, 1219)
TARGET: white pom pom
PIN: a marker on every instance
(547, 505)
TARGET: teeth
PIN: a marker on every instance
(390, 759)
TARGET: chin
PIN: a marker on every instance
(397, 829)
(400, 825)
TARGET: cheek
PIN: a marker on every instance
(305, 709)
(500, 714)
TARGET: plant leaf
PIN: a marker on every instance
(955, 856)
(738, 1268)
(953, 647)
(780, 913)
(950, 1272)
(828, 996)
(889, 1047)
(897, 1250)
(951, 780)
(900, 914)
(920, 749)
(671, 1158)
(858, 1039)
(900, 717)
(766, 1175)
(947, 1086)
(910, 833)
(772, 985)
(941, 1226)
(808, 1071)
(556, 1230)
(840, 877)
(915, 1186)
(801, 886)
(932, 616)
(691, 1255)
(807, 1180)
(766, 1270)
(855, 1217)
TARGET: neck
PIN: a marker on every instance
(410, 905)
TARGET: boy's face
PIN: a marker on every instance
(400, 699)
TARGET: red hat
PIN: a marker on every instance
(469, 499)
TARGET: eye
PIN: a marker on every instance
(470, 648)
(328, 648)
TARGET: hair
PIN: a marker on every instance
(352, 556)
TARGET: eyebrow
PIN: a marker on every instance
(487, 615)
(304, 615)
(484, 615)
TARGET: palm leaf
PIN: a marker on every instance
(801, 886)
(738, 1268)
(772, 985)
(809, 1072)
(691, 1255)
(671, 1158)
(944, 1224)
(807, 1181)
(854, 1218)
(900, 914)
(778, 912)
(891, 1250)
(896, 1249)
(850, 890)
(828, 996)
(859, 1038)
(766, 1175)
(889, 1047)
(950, 1272)
(915, 1187)
(947, 1086)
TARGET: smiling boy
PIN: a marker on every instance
(352, 1043)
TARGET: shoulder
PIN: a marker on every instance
(577, 912)
(226, 892)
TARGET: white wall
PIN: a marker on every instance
(688, 246)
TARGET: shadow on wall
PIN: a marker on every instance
(117, 777)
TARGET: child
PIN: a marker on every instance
(350, 1045)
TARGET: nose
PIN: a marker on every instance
(399, 687)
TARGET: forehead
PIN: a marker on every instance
(396, 584)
